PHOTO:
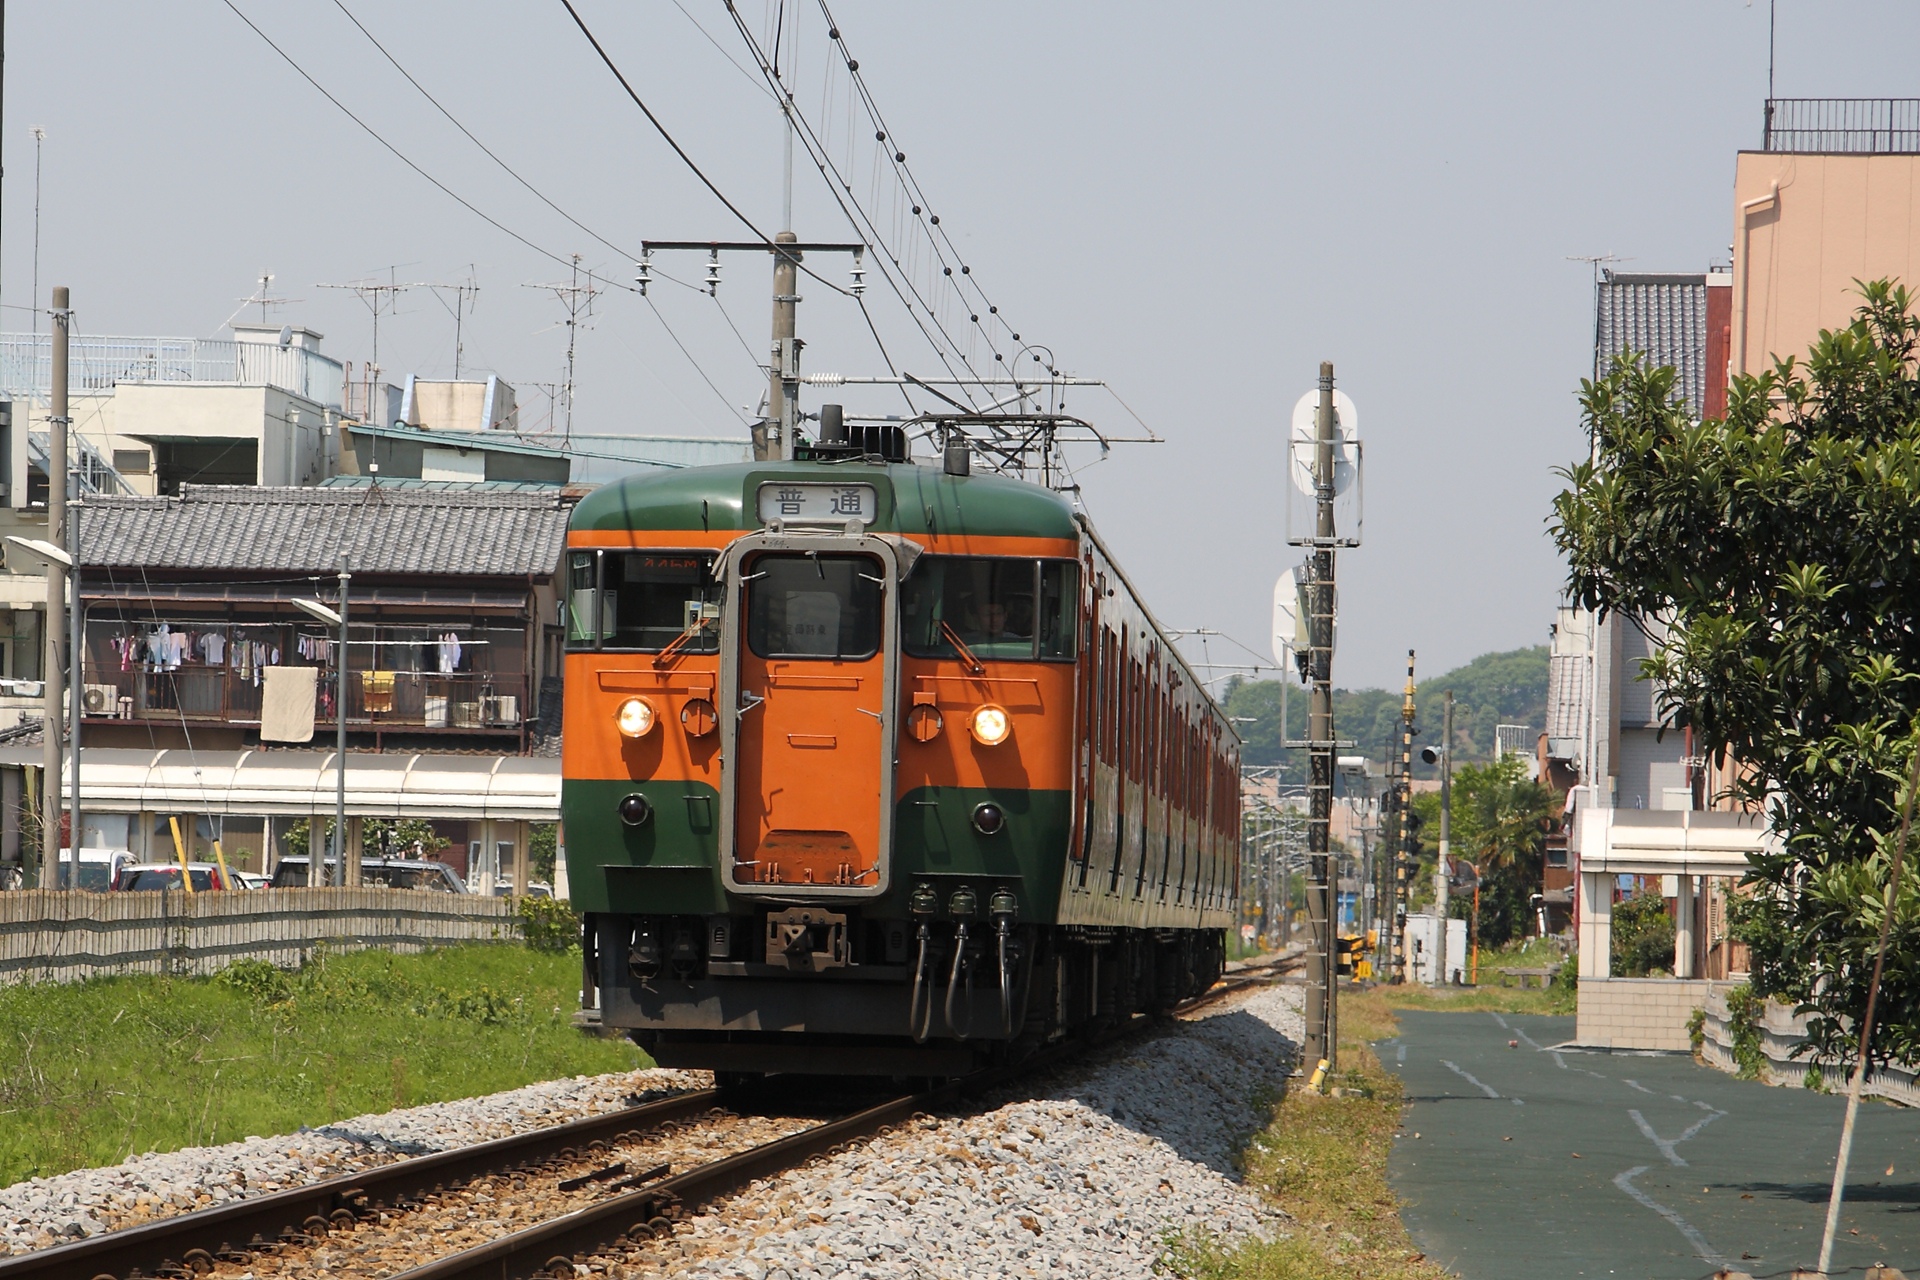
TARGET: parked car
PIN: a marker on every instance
(397, 873)
(504, 889)
(146, 876)
(99, 868)
(250, 879)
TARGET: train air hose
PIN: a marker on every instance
(953, 986)
(918, 1022)
(1006, 980)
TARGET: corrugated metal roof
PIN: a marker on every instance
(385, 530)
(1664, 317)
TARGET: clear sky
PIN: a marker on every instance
(1196, 202)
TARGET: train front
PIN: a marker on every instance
(818, 760)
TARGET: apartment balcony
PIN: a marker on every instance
(463, 703)
(1854, 126)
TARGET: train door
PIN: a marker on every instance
(813, 667)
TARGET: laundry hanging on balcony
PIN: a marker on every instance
(376, 690)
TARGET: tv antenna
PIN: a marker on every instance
(464, 295)
(578, 299)
(377, 297)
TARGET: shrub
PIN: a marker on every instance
(1642, 937)
(549, 924)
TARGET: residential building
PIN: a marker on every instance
(193, 645)
(1831, 198)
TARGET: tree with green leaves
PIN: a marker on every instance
(1500, 822)
(1782, 545)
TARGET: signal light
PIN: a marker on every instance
(635, 809)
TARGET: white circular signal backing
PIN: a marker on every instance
(1301, 442)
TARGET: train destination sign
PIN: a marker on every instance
(809, 502)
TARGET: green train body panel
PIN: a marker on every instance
(671, 865)
(911, 500)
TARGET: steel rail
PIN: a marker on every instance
(553, 1248)
(191, 1241)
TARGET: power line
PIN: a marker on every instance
(491, 155)
(654, 120)
(399, 155)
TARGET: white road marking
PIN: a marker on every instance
(1666, 1146)
(1699, 1242)
(1635, 1084)
(1401, 1056)
(1471, 1079)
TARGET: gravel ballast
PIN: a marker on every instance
(1089, 1178)
(1087, 1173)
(47, 1211)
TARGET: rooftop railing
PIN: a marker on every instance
(1872, 126)
(100, 363)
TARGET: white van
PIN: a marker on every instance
(99, 868)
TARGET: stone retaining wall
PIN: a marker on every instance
(51, 935)
(1781, 1029)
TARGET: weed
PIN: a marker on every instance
(94, 1071)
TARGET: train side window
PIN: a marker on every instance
(1059, 607)
(645, 601)
(814, 607)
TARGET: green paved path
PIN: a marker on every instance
(1680, 1168)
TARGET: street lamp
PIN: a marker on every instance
(314, 609)
(56, 559)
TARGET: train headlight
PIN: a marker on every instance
(635, 717)
(990, 724)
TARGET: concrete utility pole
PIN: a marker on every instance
(54, 708)
(1441, 867)
(773, 438)
(340, 739)
(1322, 1019)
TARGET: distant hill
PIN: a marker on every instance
(1495, 688)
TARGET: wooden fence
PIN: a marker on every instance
(55, 936)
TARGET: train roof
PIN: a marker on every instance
(911, 500)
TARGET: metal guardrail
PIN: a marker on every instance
(99, 363)
(1872, 126)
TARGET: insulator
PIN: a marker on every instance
(825, 379)
(713, 275)
(644, 268)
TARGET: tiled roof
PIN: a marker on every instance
(384, 530)
(1663, 317)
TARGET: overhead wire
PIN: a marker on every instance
(490, 153)
(858, 217)
(398, 154)
(561, 259)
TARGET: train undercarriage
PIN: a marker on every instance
(806, 990)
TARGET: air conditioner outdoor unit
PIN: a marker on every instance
(101, 699)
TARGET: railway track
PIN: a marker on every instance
(617, 1203)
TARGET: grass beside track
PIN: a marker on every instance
(94, 1072)
(1323, 1160)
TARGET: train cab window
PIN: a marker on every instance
(999, 608)
(642, 600)
(812, 606)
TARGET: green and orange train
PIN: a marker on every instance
(875, 767)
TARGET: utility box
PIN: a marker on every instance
(1420, 948)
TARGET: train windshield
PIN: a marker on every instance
(642, 600)
(998, 608)
(813, 606)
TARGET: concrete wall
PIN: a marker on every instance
(1836, 218)
(1639, 1013)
